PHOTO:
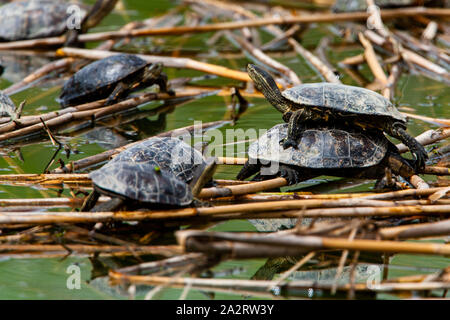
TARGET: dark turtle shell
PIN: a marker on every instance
(169, 154)
(99, 78)
(141, 182)
(7, 107)
(339, 97)
(321, 148)
(21, 20)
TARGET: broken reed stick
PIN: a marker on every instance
(254, 245)
(281, 209)
(237, 190)
(443, 122)
(166, 250)
(433, 229)
(372, 61)
(106, 155)
(181, 30)
(257, 287)
(418, 182)
(166, 61)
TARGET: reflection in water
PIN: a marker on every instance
(18, 66)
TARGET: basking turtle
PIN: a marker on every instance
(335, 103)
(324, 151)
(112, 78)
(144, 185)
(173, 157)
(169, 154)
(32, 19)
(8, 108)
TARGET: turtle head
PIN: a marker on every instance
(267, 85)
(203, 174)
(154, 69)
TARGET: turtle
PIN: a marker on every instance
(112, 78)
(32, 19)
(335, 103)
(331, 151)
(8, 108)
(145, 185)
(173, 157)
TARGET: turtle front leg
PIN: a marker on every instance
(397, 131)
(161, 81)
(294, 129)
(248, 170)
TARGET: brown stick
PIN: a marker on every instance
(167, 61)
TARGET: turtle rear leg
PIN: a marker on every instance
(419, 152)
(111, 205)
(294, 175)
(248, 170)
(90, 201)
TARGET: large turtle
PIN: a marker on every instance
(173, 157)
(335, 103)
(31, 19)
(112, 78)
(324, 151)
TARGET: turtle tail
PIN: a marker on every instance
(267, 85)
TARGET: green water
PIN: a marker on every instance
(47, 278)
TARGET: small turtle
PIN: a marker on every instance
(144, 185)
(324, 151)
(32, 19)
(112, 78)
(335, 103)
(8, 108)
(169, 154)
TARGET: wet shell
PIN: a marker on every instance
(343, 98)
(321, 148)
(98, 78)
(141, 182)
(22, 20)
(169, 154)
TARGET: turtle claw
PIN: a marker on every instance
(421, 157)
(286, 143)
(290, 175)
